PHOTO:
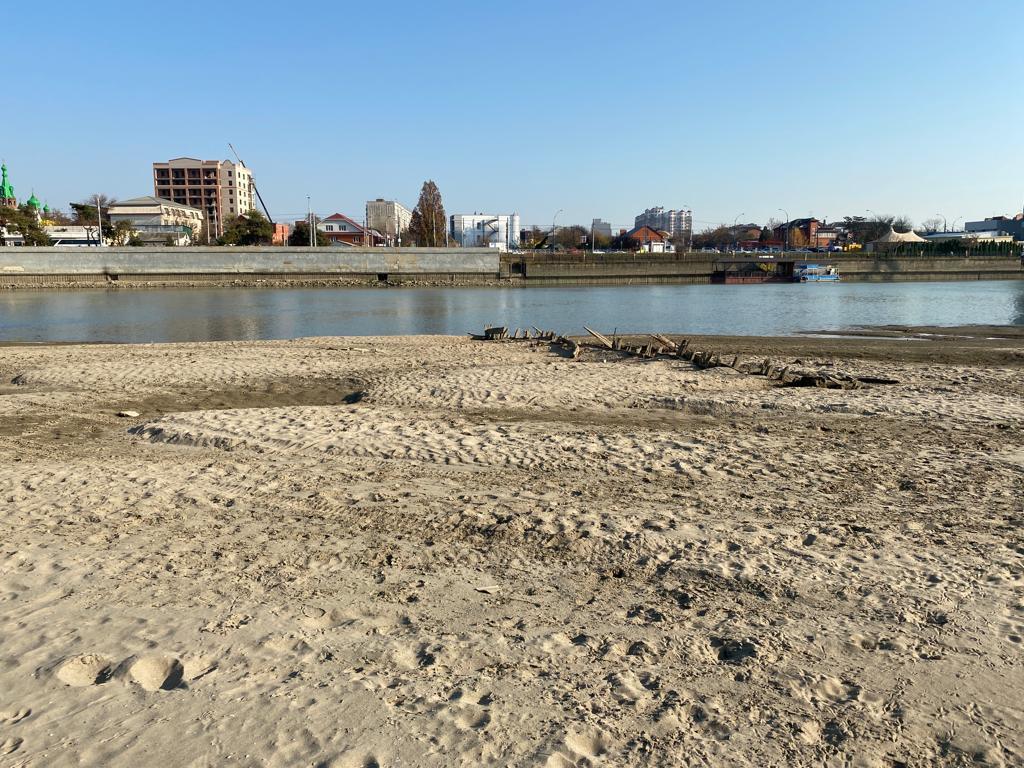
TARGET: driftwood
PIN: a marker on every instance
(662, 346)
(605, 341)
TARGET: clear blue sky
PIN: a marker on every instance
(598, 108)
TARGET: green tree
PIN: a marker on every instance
(83, 213)
(428, 225)
(300, 235)
(120, 233)
(23, 221)
(250, 229)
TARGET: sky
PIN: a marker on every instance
(551, 109)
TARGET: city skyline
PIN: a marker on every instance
(830, 113)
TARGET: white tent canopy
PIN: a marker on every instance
(892, 236)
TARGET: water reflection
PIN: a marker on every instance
(199, 314)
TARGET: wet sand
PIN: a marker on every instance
(429, 551)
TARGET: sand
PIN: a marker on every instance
(432, 552)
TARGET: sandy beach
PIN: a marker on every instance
(428, 551)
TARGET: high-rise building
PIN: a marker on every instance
(220, 188)
(676, 222)
(388, 217)
(475, 230)
(601, 228)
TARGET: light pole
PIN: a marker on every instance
(99, 220)
(553, 227)
(309, 221)
(785, 245)
(943, 222)
(954, 223)
(735, 239)
(877, 217)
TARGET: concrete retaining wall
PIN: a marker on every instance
(568, 269)
(227, 262)
(153, 266)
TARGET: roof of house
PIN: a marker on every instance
(149, 200)
(343, 217)
(637, 233)
(797, 223)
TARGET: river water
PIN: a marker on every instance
(214, 314)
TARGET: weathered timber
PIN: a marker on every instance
(605, 341)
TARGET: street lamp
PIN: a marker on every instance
(309, 221)
(553, 227)
(785, 246)
(943, 222)
(735, 239)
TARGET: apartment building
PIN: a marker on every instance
(221, 189)
(601, 228)
(388, 217)
(676, 222)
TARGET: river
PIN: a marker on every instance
(215, 314)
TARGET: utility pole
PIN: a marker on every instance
(99, 219)
(309, 221)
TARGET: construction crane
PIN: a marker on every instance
(258, 195)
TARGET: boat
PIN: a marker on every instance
(816, 273)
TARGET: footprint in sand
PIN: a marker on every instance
(89, 669)
(12, 716)
(7, 746)
(157, 672)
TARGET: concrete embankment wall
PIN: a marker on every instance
(28, 267)
(91, 265)
(615, 268)
(879, 267)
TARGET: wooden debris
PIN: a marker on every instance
(600, 337)
(662, 347)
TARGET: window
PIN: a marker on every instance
(329, 227)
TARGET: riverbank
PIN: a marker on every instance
(430, 551)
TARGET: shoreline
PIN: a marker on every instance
(982, 344)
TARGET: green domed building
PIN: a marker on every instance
(7, 197)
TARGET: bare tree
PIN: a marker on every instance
(428, 224)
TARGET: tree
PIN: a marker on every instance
(572, 237)
(120, 233)
(797, 237)
(300, 235)
(428, 225)
(250, 229)
(932, 225)
(84, 212)
(57, 216)
(864, 230)
(23, 221)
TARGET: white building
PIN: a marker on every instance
(158, 221)
(388, 217)
(676, 222)
(73, 235)
(478, 230)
